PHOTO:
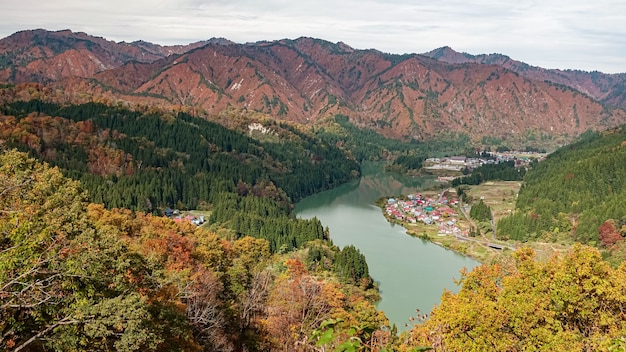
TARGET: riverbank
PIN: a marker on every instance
(453, 229)
(411, 273)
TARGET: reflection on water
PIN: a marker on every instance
(412, 273)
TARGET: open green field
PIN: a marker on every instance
(499, 195)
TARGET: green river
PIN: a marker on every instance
(411, 273)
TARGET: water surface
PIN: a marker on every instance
(411, 273)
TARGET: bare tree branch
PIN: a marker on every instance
(8, 189)
(64, 321)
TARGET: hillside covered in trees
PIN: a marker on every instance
(367, 144)
(576, 195)
(149, 161)
(258, 279)
(77, 276)
(569, 303)
(174, 287)
(154, 151)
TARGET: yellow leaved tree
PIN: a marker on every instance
(573, 302)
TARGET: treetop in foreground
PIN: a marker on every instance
(570, 303)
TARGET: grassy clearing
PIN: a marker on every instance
(499, 195)
(205, 213)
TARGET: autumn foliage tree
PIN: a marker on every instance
(67, 284)
(570, 303)
(609, 234)
(77, 276)
(298, 304)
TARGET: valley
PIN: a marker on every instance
(276, 151)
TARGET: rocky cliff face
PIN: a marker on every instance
(307, 80)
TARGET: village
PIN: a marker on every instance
(428, 210)
(458, 163)
(177, 216)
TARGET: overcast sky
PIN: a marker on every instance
(566, 34)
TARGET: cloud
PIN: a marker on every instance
(573, 34)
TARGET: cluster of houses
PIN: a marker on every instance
(458, 163)
(176, 215)
(454, 163)
(430, 211)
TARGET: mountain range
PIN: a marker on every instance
(307, 80)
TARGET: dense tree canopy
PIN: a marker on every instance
(574, 191)
(192, 151)
(480, 211)
(77, 276)
(504, 171)
(570, 303)
(351, 266)
(52, 259)
(151, 161)
(366, 144)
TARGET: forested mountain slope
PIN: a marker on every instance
(75, 276)
(578, 193)
(151, 161)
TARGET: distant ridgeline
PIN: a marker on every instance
(150, 161)
(577, 193)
